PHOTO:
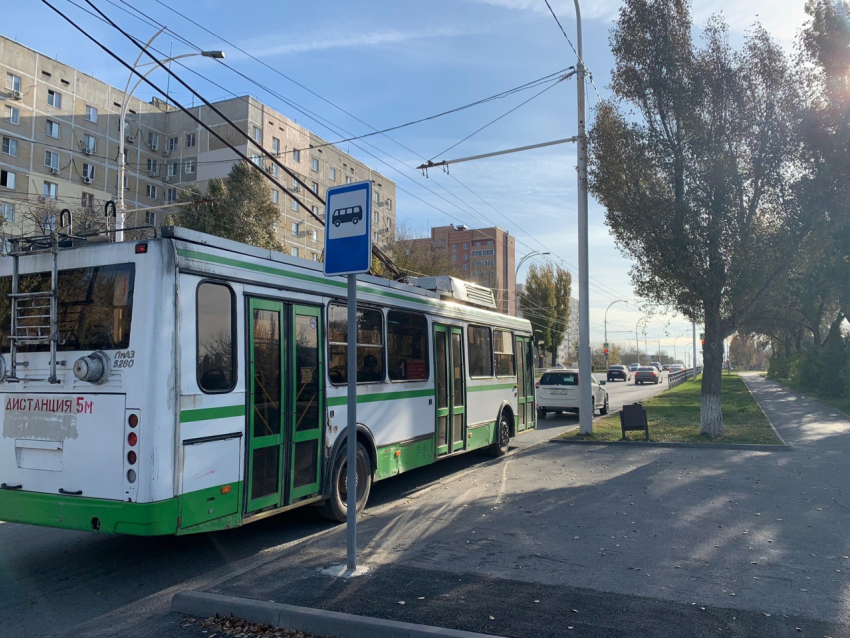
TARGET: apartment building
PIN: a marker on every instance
(60, 143)
(486, 256)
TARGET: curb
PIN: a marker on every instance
(755, 447)
(312, 621)
(769, 422)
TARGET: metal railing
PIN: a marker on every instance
(678, 378)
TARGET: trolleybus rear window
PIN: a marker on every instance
(95, 307)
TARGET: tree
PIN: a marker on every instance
(695, 160)
(545, 302)
(416, 255)
(239, 208)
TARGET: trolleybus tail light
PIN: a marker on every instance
(133, 421)
(132, 439)
(141, 249)
(131, 457)
(131, 476)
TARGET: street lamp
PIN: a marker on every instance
(534, 253)
(128, 93)
(606, 328)
(637, 343)
(675, 357)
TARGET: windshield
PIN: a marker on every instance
(646, 369)
(559, 378)
(95, 307)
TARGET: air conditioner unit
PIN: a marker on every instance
(87, 150)
(17, 95)
(55, 171)
(42, 199)
(167, 177)
(295, 188)
(152, 173)
(269, 168)
(130, 139)
(166, 153)
(87, 179)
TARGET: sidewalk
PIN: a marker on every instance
(606, 541)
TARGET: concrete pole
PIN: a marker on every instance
(585, 366)
(694, 369)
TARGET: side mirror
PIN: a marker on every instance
(602, 382)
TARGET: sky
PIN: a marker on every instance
(344, 67)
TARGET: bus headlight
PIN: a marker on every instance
(93, 368)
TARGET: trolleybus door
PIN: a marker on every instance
(285, 403)
(525, 384)
(450, 389)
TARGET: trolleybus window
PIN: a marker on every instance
(407, 346)
(504, 347)
(94, 311)
(370, 344)
(480, 351)
(216, 361)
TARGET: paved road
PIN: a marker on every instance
(57, 582)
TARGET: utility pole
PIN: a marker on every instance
(694, 369)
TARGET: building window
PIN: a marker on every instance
(90, 143)
(13, 82)
(370, 349)
(153, 166)
(454, 247)
(88, 171)
(150, 217)
(87, 201)
(190, 140)
(52, 129)
(216, 338)
(10, 146)
(314, 236)
(314, 164)
(389, 204)
(465, 246)
(377, 217)
(91, 114)
(454, 257)
(466, 266)
(256, 159)
(296, 155)
(50, 190)
(49, 222)
(315, 256)
(13, 115)
(315, 187)
(8, 212)
(189, 167)
(332, 174)
(276, 196)
(504, 352)
(294, 205)
(51, 159)
(150, 191)
(153, 141)
(171, 169)
(295, 229)
(258, 134)
(315, 210)
(54, 99)
(172, 143)
(170, 195)
(276, 145)
(7, 179)
(490, 242)
(295, 251)
(348, 180)
(407, 346)
(480, 351)
(465, 257)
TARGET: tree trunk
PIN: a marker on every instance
(554, 356)
(711, 416)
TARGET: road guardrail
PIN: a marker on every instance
(678, 378)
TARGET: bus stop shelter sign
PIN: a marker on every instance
(348, 229)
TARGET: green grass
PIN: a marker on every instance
(839, 403)
(674, 417)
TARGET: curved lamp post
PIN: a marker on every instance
(606, 327)
(637, 343)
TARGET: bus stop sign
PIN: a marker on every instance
(348, 229)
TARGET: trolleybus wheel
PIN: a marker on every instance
(500, 445)
(334, 508)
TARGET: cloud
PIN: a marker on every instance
(322, 42)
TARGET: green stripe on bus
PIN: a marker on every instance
(236, 263)
(207, 414)
(381, 396)
(491, 386)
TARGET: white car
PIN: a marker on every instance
(558, 391)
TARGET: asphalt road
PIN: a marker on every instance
(65, 583)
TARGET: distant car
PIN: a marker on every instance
(665, 366)
(559, 366)
(619, 372)
(647, 374)
(558, 391)
(676, 367)
(633, 367)
(657, 366)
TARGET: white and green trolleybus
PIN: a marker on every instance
(189, 383)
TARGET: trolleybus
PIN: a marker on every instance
(189, 383)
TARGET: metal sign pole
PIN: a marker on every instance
(351, 439)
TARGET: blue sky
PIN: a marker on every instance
(387, 62)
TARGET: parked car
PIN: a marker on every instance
(647, 374)
(558, 391)
(633, 367)
(619, 372)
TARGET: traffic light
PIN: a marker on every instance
(702, 338)
(606, 352)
